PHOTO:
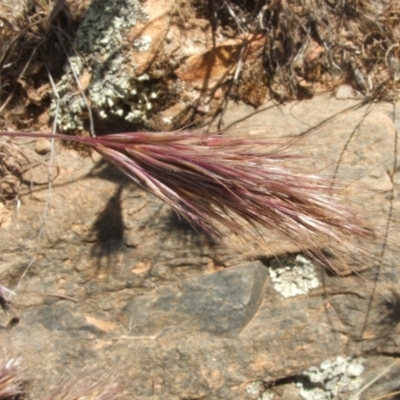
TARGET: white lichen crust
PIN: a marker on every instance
(102, 65)
(295, 278)
(331, 379)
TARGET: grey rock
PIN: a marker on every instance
(221, 303)
(118, 282)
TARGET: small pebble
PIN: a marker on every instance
(42, 146)
(343, 92)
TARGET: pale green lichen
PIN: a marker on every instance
(143, 43)
(258, 388)
(294, 278)
(331, 379)
(102, 53)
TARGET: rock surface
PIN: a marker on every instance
(106, 275)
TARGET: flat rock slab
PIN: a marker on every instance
(221, 303)
(112, 279)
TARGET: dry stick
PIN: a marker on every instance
(391, 395)
(214, 180)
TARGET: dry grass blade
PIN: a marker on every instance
(245, 185)
(11, 379)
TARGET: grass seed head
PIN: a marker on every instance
(244, 185)
(11, 379)
(89, 385)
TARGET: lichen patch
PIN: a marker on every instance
(107, 81)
